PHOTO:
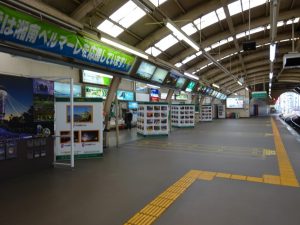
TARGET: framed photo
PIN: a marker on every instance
(82, 114)
(90, 136)
(65, 137)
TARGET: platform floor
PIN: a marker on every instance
(235, 172)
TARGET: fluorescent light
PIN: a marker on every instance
(215, 85)
(240, 83)
(153, 86)
(247, 89)
(181, 36)
(271, 76)
(191, 76)
(123, 47)
(235, 93)
(272, 52)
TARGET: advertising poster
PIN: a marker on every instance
(235, 102)
(125, 95)
(88, 126)
(16, 112)
(62, 90)
(154, 95)
(95, 92)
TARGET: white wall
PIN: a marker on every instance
(19, 66)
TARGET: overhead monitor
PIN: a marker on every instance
(95, 92)
(190, 87)
(125, 95)
(235, 102)
(172, 78)
(180, 82)
(92, 77)
(133, 105)
(63, 90)
(159, 75)
(145, 70)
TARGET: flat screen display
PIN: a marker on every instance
(63, 90)
(145, 70)
(125, 95)
(190, 87)
(180, 82)
(159, 75)
(235, 102)
(95, 92)
(92, 77)
(172, 78)
(133, 105)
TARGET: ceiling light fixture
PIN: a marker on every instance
(271, 76)
(240, 83)
(152, 86)
(272, 52)
(123, 47)
(215, 85)
(191, 76)
(181, 35)
(247, 89)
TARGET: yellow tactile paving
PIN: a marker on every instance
(223, 175)
(271, 179)
(285, 166)
(155, 208)
(255, 179)
(238, 177)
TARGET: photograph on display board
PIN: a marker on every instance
(16, 107)
(62, 90)
(65, 137)
(43, 108)
(2, 151)
(89, 135)
(82, 114)
(11, 150)
(43, 87)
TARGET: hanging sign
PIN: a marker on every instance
(19, 28)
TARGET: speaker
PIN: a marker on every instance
(249, 45)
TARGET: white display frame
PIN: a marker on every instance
(183, 115)
(206, 113)
(82, 148)
(153, 119)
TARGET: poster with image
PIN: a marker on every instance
(82, 114)
(16, 100)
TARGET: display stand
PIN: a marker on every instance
(153, 119)
(221, 112)
(183, 115)
(206, 113)
(87, 130)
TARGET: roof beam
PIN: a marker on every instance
(241, 28)
(85, 8)
(233, 32)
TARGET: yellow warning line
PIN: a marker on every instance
(287, 174)
(156, 207)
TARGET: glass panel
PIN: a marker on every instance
(166, 42)
(189, 29)
(110, 28)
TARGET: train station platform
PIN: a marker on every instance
(239, 171)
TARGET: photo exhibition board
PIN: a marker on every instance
(88, 127)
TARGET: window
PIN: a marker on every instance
(110, 28)
(153, 51)
(189, 29)
(166, 42)
(158, 2)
